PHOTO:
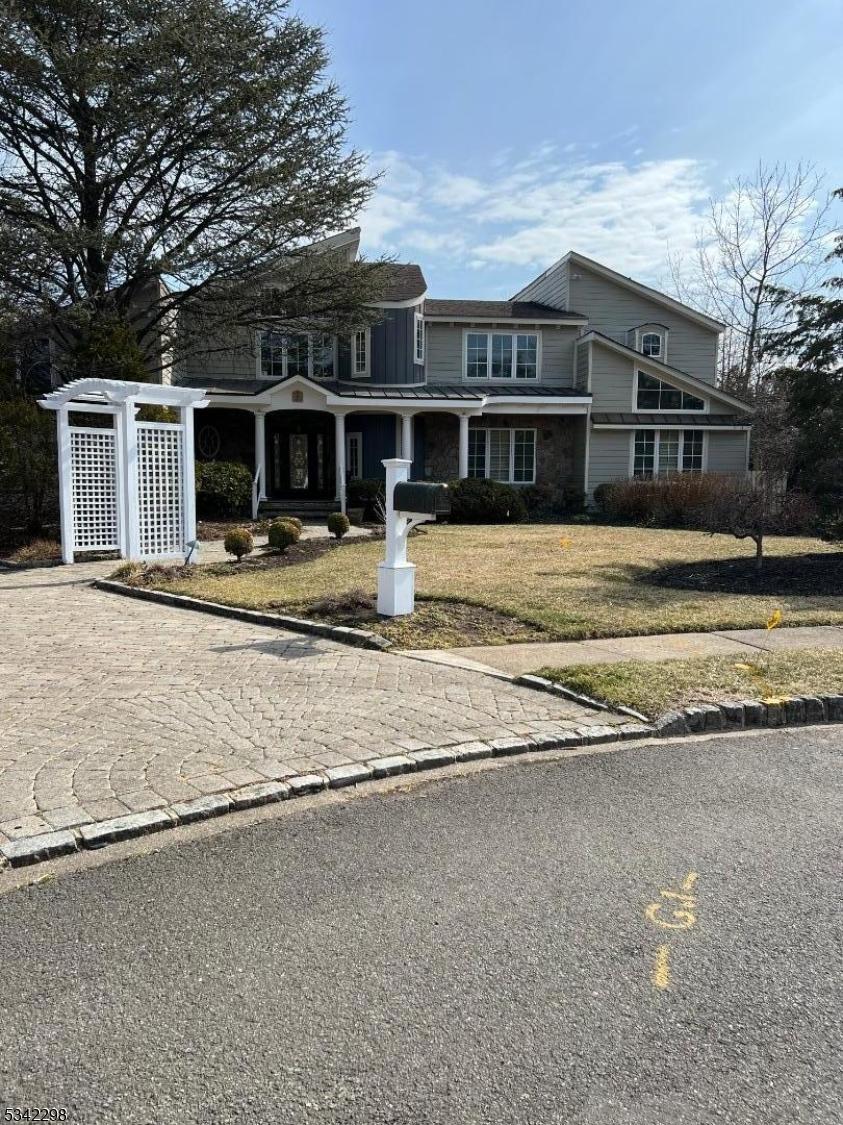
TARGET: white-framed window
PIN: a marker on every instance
(354, 456)
(655, 394)
(360, 346)
(501, 355)
(285, 354)
(418, 338)
(662, 452)
(652, 344)
(507, 455)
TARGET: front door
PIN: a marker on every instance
(301, 456)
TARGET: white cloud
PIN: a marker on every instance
(520, 215)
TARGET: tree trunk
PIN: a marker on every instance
(759, 552)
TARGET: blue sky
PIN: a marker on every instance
(511, 132)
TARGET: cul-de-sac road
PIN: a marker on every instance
(649, 935)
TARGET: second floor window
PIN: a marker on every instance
(653, 394)
(651, 345)
(418, 338)
(360, 353)
(501, 355)
(285, 354)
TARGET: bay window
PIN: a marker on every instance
(662, 452)
(285, 354)
(506, 455)
(501, 355)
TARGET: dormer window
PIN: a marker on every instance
(651, 344)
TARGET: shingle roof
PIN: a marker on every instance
(689, 421)
(498, 310)
(402, 282)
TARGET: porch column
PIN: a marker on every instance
(463, 471)
(407, 436)
(339, 441)
(260, 452)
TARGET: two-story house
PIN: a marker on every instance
(584, 376)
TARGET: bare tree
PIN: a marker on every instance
(768, 234)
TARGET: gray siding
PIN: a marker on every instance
(444, 352)
(612, 378)
(613, 310)
(727, 452)
(581, 373)
(608, 457)
(239, 361)
(549, 289)
(392, 349)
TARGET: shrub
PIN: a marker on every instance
(294, 520)
(476, 500)
(28, 465)
(665, 502)
(283, 534)
(544, 501)
(223, 488)
(239, 542)
(366, 494)
(338, 524)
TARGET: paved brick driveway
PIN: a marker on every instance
(110, 705)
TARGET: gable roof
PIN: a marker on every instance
(635, 286)
(500, 310)
(670, 373)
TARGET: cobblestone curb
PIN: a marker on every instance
(745, 714)
(32, 849)
(751, 714)
(360, 638)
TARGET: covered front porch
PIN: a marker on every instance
(306, 441)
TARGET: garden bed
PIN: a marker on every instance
(780, 575)
(653, 688)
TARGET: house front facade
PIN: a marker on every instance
(583, 377)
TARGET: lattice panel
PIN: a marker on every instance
(160, 489)
(93, 483)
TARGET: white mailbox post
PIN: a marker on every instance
(396, 576)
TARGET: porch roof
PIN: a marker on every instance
(455, 391)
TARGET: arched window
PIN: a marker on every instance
(651, 344)
(208, 441)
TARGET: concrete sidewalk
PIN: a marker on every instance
(517, 659)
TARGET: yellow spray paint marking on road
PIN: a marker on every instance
(660, 975)
(675, 910)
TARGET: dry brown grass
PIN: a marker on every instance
(656, 688)
(589, 588)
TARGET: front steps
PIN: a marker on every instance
(308, 511)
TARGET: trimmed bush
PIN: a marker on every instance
(283, 534)
(223, 488)
(338, 524)
(670, 501)
(238, 542)
(476, 500)
(545, 502)
(294, 520)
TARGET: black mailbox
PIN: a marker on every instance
(425, 499)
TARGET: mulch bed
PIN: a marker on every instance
(306, 550)
(807, 575)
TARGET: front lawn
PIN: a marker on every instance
(553, 582)
(658, 687)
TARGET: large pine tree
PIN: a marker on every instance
(194, 140)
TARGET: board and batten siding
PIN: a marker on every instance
(551, 288)
(608, 457)
(727, 451)
(444, 351)
(393, 349)
(614, 310)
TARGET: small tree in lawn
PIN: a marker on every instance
(750, 510)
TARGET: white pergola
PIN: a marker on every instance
(129, 488)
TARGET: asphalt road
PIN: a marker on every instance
(470, 950)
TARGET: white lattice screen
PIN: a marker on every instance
(160, 488)
(93, 482)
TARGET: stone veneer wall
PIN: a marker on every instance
(556, 443)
